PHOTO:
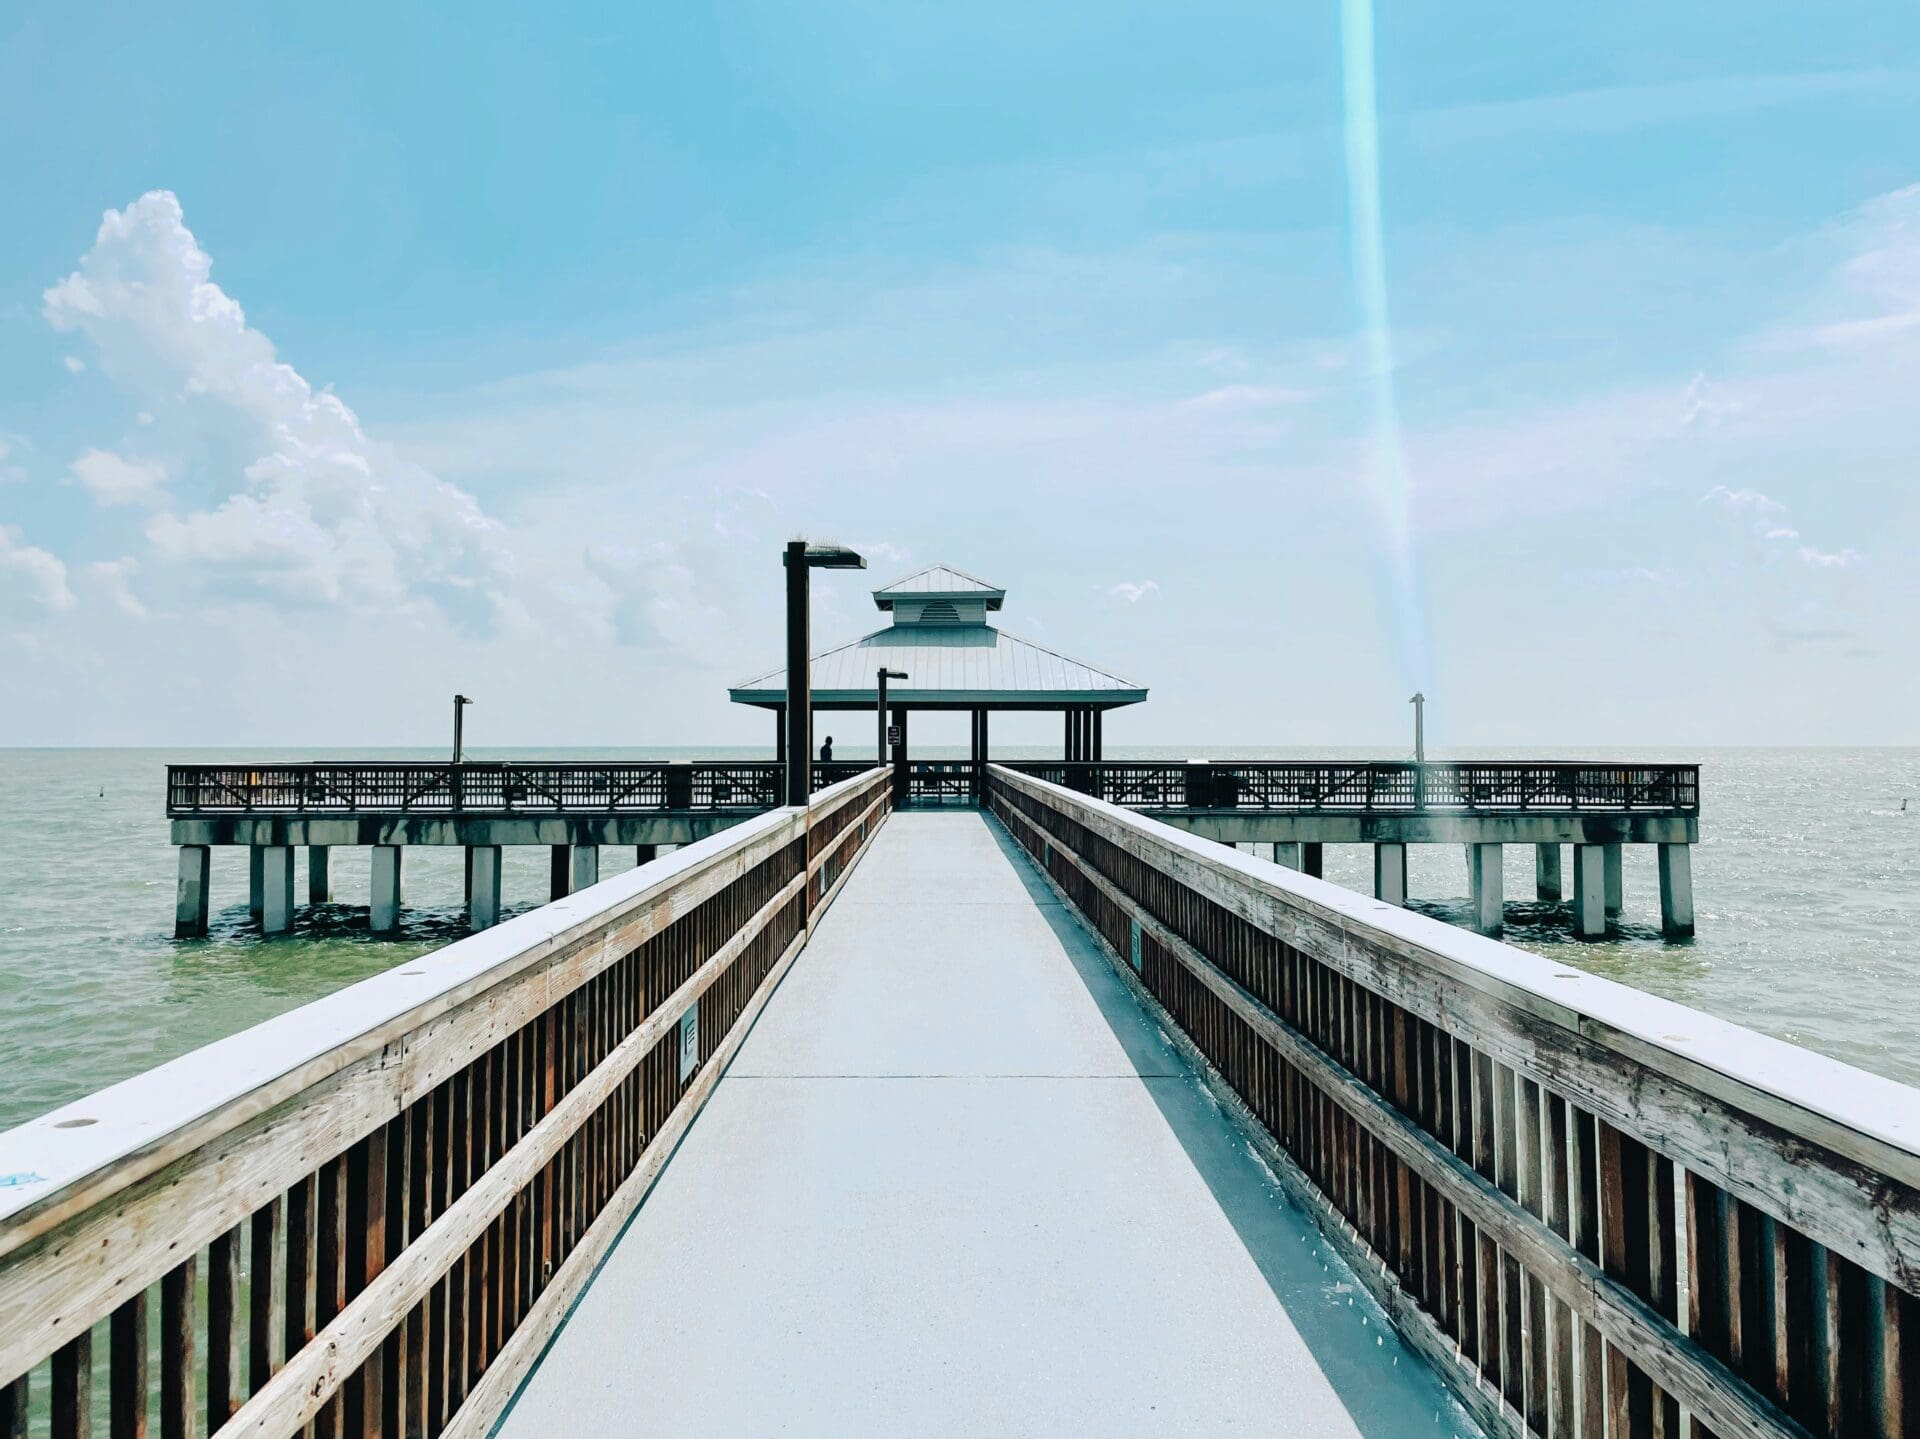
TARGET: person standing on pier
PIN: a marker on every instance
(826, 751)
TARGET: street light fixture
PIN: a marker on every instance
(880, 686)
(801, 557)
(1419, 703)
(460, 702)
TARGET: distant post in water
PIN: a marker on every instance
(880, 710)
(799, 559)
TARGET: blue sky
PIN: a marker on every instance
(499, 349)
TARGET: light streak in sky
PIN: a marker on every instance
(1387, 461)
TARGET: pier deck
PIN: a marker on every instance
(956, 1181)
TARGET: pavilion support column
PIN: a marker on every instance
(900, 758)
(1547, 884)
(1066, 744)
(1099, 744)
(1489, 880)
(483, 877)
(1312, 858)
(586, 866)
(1390, 873)
(780, 734)
(1589, 891)
(256, 879)
(276, 912)
(1676, 890)
(319, 874)
(191, 900)
(383, 914)
(1615, 890)
(559, 871)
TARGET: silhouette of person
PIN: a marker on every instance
(826, 751)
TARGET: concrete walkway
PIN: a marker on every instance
(957, 1182)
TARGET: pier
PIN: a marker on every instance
(938, 653)
(1041, 1115)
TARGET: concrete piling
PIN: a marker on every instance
(319, 874)
(483, 885)
(1287, 855)
(1589, 891)
(1676, 890)
(256, 882)
(276, 913)
(191, 899)
(1390, 873)
(559, 871)
(1547, 885)
(645, 853)
(384, 913)
(1489, 887)
(586, 866)
(1616, 890)
(1312, 859)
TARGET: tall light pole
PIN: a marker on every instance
(800, 558)
(1419, 703)
(460, 702)
(880, 685)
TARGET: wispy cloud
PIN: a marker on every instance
(44, 574)
(116, 480)
(1133, 591)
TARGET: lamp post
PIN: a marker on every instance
(1419, 703)
(460, 703)
(800, 558)
(880, 685)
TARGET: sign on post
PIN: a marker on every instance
(689, 1041)
(893, 736)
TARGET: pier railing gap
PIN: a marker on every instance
(366, 1217)
(1594, 1211)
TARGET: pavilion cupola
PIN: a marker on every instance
(939, 595)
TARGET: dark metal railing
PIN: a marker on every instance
(513, 787)
(942, 781)
(1468, 786)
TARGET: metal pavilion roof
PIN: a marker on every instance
(948, 665)
(944, 581)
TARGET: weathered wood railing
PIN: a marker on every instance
(1595, 1211)
(368, 1215)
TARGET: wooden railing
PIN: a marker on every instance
(367, 1216)
(1596, 1212)
(504, 787)
(1467, 786)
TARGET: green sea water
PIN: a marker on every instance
(1807, 883)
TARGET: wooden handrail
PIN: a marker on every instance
(1473, 1121)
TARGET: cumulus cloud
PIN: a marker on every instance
(116, 480)
(315, 511)
(1133, 591)
(45, 574)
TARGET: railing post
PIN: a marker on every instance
(679, 788)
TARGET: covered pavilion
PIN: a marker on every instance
(954, 660)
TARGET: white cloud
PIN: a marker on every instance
(116, 480)
(45, 574)
(112, 576)
(1133, 591)
(1742, 501)
(1823, 560)
(315, 510)
(74, 364)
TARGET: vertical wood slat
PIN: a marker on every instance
(176, 1349)
(223, 1327)
(267, 1294)
(126, 1370)
(15, 1402)
(70, 1414)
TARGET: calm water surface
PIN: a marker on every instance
(1807, 886)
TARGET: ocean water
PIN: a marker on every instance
(1806, 880)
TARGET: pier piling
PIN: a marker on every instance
(190, 902)
(1390, 873)
(483, 884)
(276, 871)
(256, 884)
(384, 912)
(1312, 859)
(1489, 887)
(1676, 890)
(1589, 890)
(1616, 892)
(1287, 854)
(319, 874)
(559, 871)
(586, 866)
(645, 853)
(1547, 885)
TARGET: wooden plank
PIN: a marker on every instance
(224, 1326)
(126, 1370)
(176, 1350)
(70, 1415)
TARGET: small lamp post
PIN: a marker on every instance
(800, 558)
(1419, 703)
(460, 703)
(880, 685)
